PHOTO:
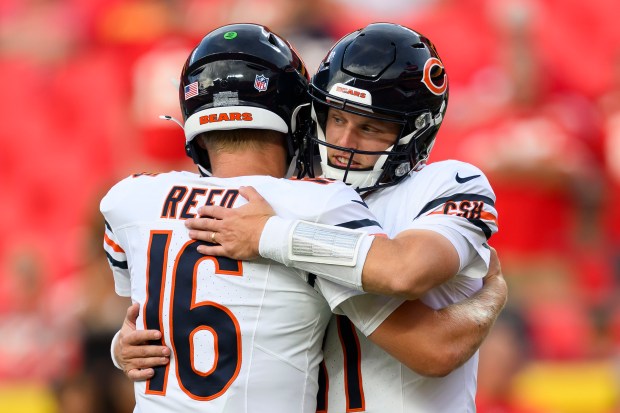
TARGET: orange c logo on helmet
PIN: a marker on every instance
(428, 82)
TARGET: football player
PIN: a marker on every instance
(341, 250)
(242, 334)
(379, 98)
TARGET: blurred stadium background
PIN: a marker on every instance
(535, 103)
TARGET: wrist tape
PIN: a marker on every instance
(331, 252)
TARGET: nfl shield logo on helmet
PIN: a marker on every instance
(260, 83)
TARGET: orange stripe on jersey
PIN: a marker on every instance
(115, 246)
(487, 216)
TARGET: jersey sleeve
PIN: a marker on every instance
(461, 207)
(366, 311)
(343, 207)
(117, 257)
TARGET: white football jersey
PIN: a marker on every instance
(245, 336)
(456, 200)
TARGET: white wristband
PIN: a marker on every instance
(324, 244)
(273, 242)
(114, 341)
(334, 253)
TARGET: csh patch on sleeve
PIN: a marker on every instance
(477, 209)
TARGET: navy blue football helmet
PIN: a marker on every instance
(387, 72)
(242, 76)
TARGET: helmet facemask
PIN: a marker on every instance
(410, 148)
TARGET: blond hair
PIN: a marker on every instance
(235, 139)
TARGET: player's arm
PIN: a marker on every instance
(408, 265)
(435, 342)
(131, 349)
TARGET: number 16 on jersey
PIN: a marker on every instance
(189, 318)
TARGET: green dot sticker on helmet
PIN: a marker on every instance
(230, 35)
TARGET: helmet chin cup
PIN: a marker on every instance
(359, 180)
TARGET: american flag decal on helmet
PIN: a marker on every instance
(261, 82)
(191, 90)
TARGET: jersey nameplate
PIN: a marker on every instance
(182, 201)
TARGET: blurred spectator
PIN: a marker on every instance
(540, 145)
(40, 336)
(610, 107)
(98, 385)
(503, 355)
(609, 104)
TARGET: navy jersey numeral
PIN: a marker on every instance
(188, 317)
(354, 389)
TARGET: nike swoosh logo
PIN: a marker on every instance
(465, 179)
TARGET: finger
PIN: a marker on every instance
(146, 362)
(250, 193)
(494, 264)
(202, 235)
(133, 354)
(132, 314)
(140, 374)
(139, 337)
(213, 211)
(202, 224)
(212, 251)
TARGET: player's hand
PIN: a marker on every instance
(134, 352)
(232, 232)
(494, 277)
